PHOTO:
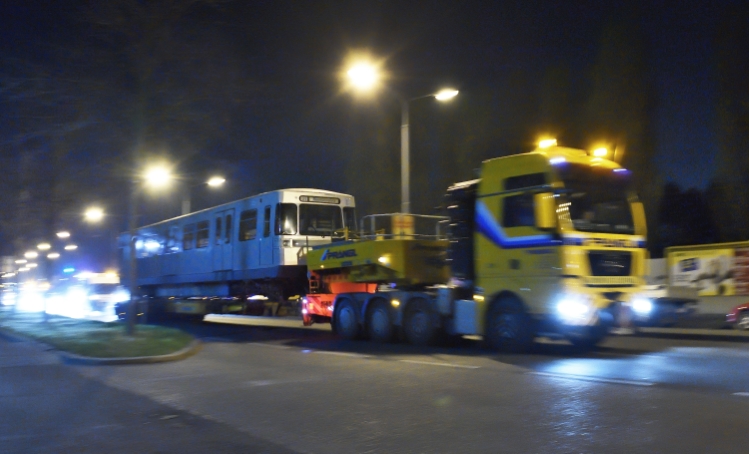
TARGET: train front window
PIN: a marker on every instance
(320, 220)
(285, 219)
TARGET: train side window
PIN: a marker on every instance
(174, 241)
(266, 222)
(188, 237)
(218, 233)
(247, 225)
(202, 234)
(227, 237)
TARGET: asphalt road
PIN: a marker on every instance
(302, 390)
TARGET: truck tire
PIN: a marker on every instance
(380, 322)
(346, 321)
(508, 327)
(418, 324)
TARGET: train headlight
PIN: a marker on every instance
(642, 305)
(575, 309)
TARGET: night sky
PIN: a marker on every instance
(290, 123)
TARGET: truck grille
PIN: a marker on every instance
(610, 263)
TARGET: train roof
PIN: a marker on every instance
(296, 190)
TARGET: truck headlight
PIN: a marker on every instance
(642, 305)
(575, 309)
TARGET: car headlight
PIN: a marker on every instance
(575, 309)
(642, 305)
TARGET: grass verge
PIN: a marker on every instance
(96, 339)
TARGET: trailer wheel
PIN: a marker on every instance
(346, 321)
(419, 326)
(380, 322)
(743, 321)
(508, 327)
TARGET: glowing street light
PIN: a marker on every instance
(31, 255)
(44, 246)
(71, 247)
(215, 182)
(21, 261)
(93, 214)
(53, 255)
(63, 234)
(363, 76)
(157, 177)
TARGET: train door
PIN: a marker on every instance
(223, 243)
(266, 239)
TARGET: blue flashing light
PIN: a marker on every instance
(557, 160)
(69, 270)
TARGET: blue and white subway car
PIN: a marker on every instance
(251, 246)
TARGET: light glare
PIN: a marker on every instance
(94, 214)
(600, 152)
(63, 234)
(444, 95)
(547, 143)
(363, 76)
(44, 246)
(216, 181)
(158, 177)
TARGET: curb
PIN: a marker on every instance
(71, 358)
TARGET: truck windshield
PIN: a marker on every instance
(320, 220)
(598, 198)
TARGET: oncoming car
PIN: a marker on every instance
(739, 317)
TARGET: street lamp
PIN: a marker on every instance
(154, 177)
(213, 182)
(364, 76)
(442, 95)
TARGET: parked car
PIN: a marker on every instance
(739, 317)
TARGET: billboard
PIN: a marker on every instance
(711, 271)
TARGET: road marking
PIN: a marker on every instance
(261, 344)
(430, 363)
(742, 394)
(593, 379)
(350, 355)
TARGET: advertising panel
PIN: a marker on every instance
(710, 271)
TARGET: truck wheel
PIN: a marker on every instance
(379, 322)
(346, 322)
(419, 327)
(743, 321)
(508, 327)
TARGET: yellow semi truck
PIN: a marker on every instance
(545, 243)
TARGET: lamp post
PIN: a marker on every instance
(155, 177)
(442, 95)
(213, 182)
(363, 76)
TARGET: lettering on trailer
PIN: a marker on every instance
(328, 254)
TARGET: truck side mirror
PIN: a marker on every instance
(545, 210)
(638, 217)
